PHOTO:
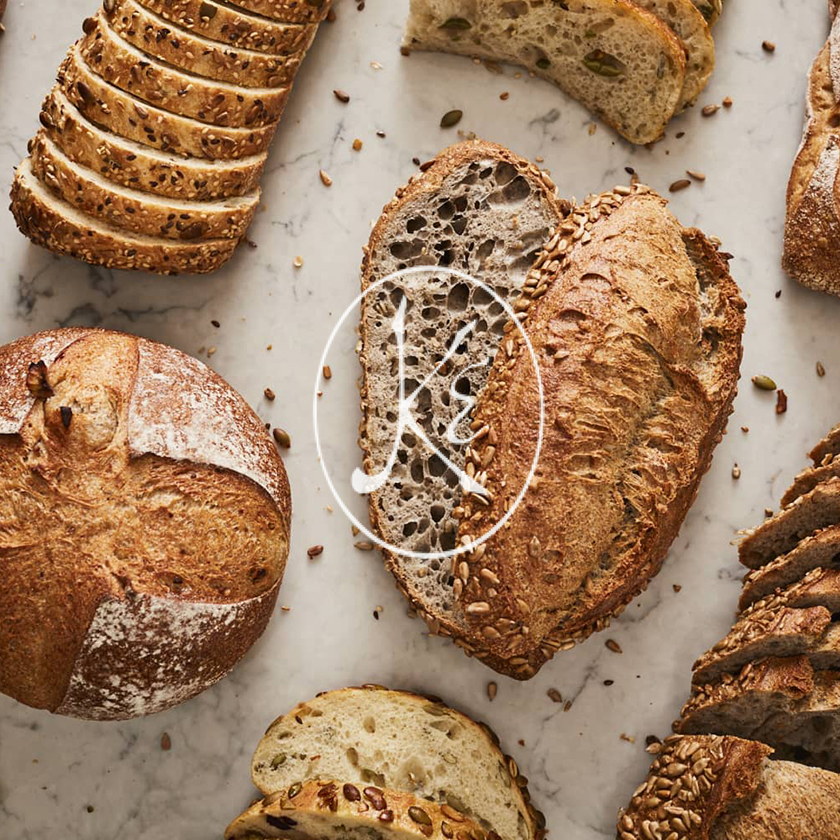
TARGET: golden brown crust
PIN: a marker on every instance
(327, 808)
(657, 380)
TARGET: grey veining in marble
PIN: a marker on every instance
(85, 781)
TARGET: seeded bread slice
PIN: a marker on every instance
(782, 702)
(618, 59)
(140, 167)
(780, 534)
(818, 554)
(209, 100)
(225, 23)
(484, 211)
(334, 810)
(54, 224)
(123, 114)
(722, 788)
(137, 211)
(190, 51)
(400, 741)
(827, 448)
(290, 11)
(807, 480)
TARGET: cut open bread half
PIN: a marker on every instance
(335, 810)
(140, 167)
(618, 59)
(137, 211)
(54, 224)
(399, 741)
(193, 52)
(481, 210)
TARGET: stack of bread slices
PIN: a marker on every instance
(155, 136)
(635, 63)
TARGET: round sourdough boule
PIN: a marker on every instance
(144, 524)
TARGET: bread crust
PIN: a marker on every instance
(289, 11)
(210, 101)
(138, 647)
(541, 584)
(310, 808)
(190, 51)
(808, 479)
(827, 448)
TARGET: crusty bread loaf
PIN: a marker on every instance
(136, 211)
(399, 741)
(816, 554)
(209, 100)
(140, 167)
(484, 211)
(58, 226)
(617, 58)
(634, 411)
(336, 810)
(190, 51)
(160, 506)
(720, 788)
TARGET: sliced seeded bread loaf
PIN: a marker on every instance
(335, 810)
(827, 448)
(484, 211)
(618, 59)
(719, 788)
(290, 11)
(141, 167)
(633, 413)
(399, 741)
(209, 100)
(137, 211)
(123, 114)
(782, 702)
(53, 223)
(780, 534)
(190, 51)
(818, 554)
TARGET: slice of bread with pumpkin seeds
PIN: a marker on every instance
(618, 59)
(396, 740)
(335, 810)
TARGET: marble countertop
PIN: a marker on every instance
(91, 781)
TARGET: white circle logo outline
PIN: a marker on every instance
(353, 307)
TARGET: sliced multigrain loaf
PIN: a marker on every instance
(619, 60)
(290, 11)
(784, 703)
(808, 479)
(723, 788)
(827, 448)
(209, 100)
(138, 211)
(225, 23)
(130, 117)
(780, 534)
(638, 381)
(53, 223)
(481, 210)
(141, 167)
(402, 741)
(337, 810)
(818, 554)
(190, 51)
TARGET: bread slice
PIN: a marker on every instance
(633, 412)
(209, 100)
(136, 211)
(335, 810)
(123, 114)
(827, 449)
(54, 224)
(290, 11)
(399, 741)
(141, 167)
(781, 702)
(818, 554)
(723, 788)
(225, 23)
(807, 480)
(780, 534)
(482, 210)
(618, 59)
(190, 51)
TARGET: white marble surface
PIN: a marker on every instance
(581, 771)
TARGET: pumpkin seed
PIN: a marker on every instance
(456, 23)
(543, 63)
(603, 64)
(278, 761)
(295, 789)
(451, 118)
(765, 383)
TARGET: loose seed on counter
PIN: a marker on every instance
(781, 402)
(710, 110)
(693, 173)
(165, 742)
(820, 369)
(314, 551)
(768, 46)
(727, 102)
(492, 689)
(325, 179)
(357, 145)
(298, 262)
(341, 96)
(764, 383)
(327, 372)
(282, 438)
(364, 545)
(736, 472)
(269, 394)
(555, 695)
(682, 184)
(451, 118)
(613, 645)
